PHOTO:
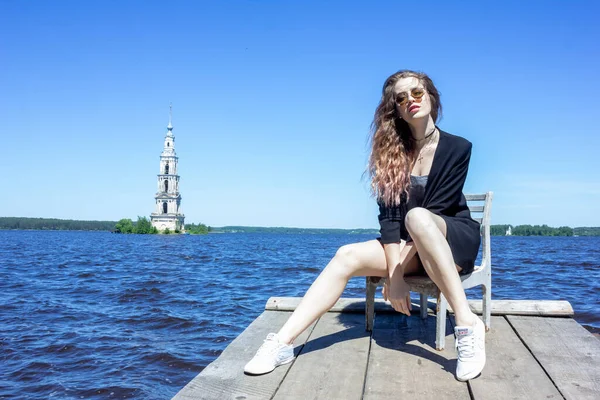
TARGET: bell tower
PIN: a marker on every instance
(167, 213)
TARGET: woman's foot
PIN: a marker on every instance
(271, 354)
(470, 346)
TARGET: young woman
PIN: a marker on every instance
(417, 174)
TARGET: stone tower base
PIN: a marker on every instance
(171, 221)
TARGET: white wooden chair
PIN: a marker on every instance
(481, 275)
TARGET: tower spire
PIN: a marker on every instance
(170, 126)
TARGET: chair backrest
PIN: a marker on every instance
(482, 214)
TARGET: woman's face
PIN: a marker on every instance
(411, 98)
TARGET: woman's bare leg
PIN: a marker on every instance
(357, 259)
(428, 231)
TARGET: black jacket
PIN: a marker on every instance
(443, 192)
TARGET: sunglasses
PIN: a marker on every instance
(416, 93)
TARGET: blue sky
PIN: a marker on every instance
(272, 103)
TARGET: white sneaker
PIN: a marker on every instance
(271, 354)
(470, 345)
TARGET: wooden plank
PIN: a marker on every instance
(543, 308)
(475, 197)
(476, 208)
(554, 308)
(422, 284)
(343, 305)
(404, 364)
(332, 364)
(566, 350)
(548, 308)
(224, 378)
(510, 372)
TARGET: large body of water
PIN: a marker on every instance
(98, 315)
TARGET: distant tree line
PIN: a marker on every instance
(126, 225)
(143, 226)
(54, 224)
(499, 230)
(283, 230)
(197, 229)
(586, 231)
(532, 230)
(541, 230)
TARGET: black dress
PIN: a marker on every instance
(442, 196)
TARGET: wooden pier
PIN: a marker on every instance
(535, 350)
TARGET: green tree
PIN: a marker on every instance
(125, 225)
(541, 230)
(586, 231)
(199, 229)
(167, 231)
(565, 231)
(55, 224)
(499, 230)
(143, 226)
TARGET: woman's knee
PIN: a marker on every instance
(418, 222)
(347, 258)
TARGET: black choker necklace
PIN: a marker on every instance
(426, 136)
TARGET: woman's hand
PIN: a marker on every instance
(398, 294)
(395, 289)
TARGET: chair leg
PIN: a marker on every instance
(423, 305)
(370, 303)
(440, 330)
(486, 290)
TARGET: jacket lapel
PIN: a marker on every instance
(441, 152)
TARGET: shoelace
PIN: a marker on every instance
(465, 346)
(268, 347)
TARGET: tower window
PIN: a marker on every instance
(167, 169)
(166, 186)
(165, 207)
(168, 144)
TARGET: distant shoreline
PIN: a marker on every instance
(55, 224)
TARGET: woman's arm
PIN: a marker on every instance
(397, 255)
(395, 289)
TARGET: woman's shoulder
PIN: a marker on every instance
(455, 141)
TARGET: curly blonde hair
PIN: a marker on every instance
(392, 144)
